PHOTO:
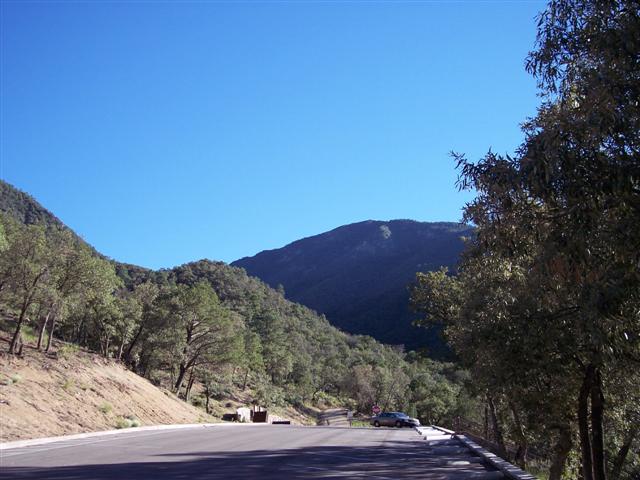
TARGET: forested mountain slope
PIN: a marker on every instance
(24, 208)
(357, 275)
(27, 210)
(202, 330)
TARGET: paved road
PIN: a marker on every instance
(244, 452)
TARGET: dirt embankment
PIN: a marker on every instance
(78, 392)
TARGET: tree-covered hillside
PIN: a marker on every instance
(204, 323)
(358, 275)
(24, 208)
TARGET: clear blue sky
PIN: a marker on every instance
(165, 132)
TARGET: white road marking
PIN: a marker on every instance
(337, 456)
(68, 445)
(328, 469)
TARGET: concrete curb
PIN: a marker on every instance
(506, 469)
(451, 432)
(510, 471)
(426, 431)
(43, 441)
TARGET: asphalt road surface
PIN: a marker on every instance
(243, 452)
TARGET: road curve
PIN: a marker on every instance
(263, 452)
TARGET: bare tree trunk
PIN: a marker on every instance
(50, 340)
(523, 445)
(23, 310)
(246, 377)
(583, 424)
(183, 363)
(187, 393)
(181, 374)
(16, 333)
(561, 452)
(597, 427)
(207, 393)
(79, 330)
(127, 356)
(624, 451)
(497, 431)
(121, 349)
(486, 420)
(43, 329)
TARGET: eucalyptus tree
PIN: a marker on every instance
(548, 293)
(582, 159)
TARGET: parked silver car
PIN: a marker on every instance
(394, 419)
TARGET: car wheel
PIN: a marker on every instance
(376, 423)
(399, 424)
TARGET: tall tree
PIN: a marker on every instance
(581, 158)
(550, 286)
(26, 269)
(207, 332)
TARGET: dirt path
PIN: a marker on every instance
(336, 417)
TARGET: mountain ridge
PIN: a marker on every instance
(358, 277)
(358, 274)
(368, 221)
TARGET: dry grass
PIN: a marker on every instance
(78, 392)
(75, 391)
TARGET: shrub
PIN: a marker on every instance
(67, 350)
(105, 407)
(68, 384)
(15, 378)
(360, 423)
(123, 422)
(28, 335)
(134, 422)
(294, 399)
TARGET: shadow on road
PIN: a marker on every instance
(395, 460)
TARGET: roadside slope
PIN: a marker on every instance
(79, 392)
